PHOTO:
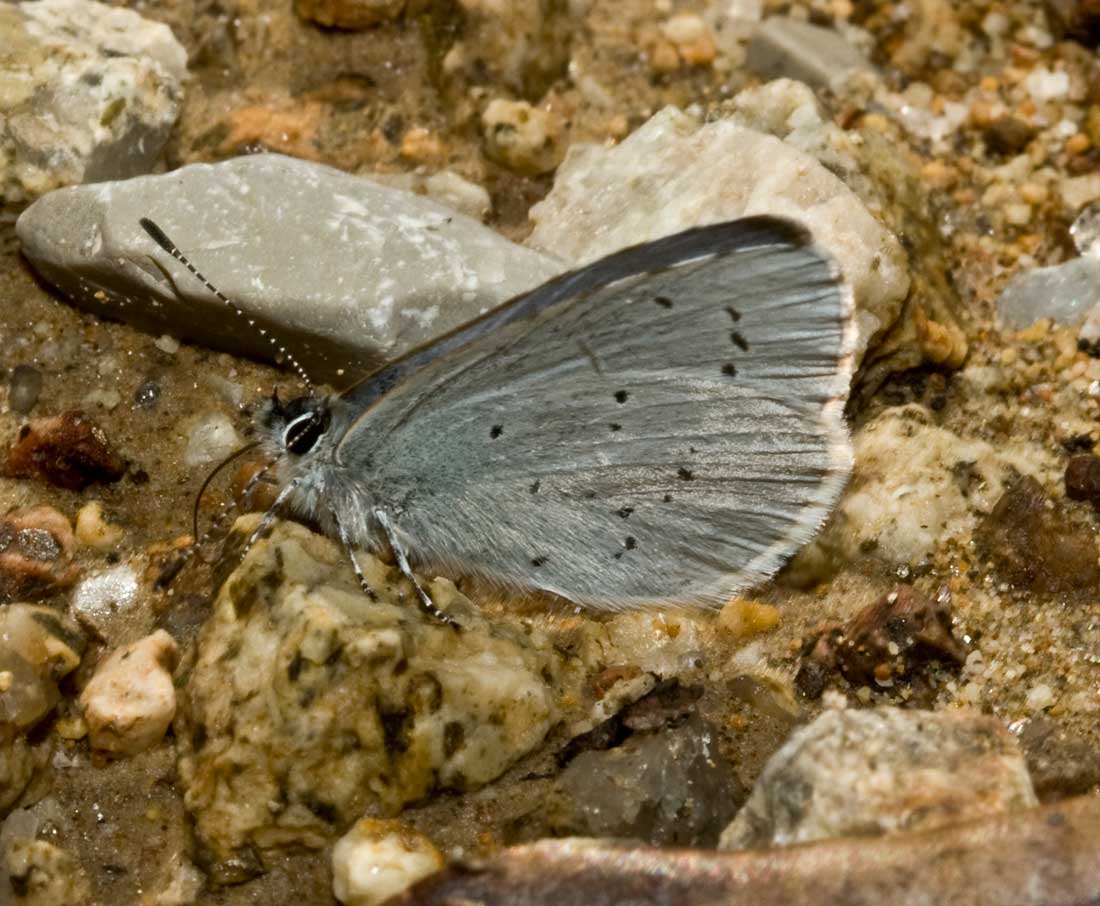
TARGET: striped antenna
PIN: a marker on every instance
(173, 569)
(161, 238)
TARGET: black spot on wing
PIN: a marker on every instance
(496, 431)
(624, 511)
(663, 301)
(615, 426)
(729, 369)
(621, 396)
(685, 474)
(739, 341)
(733, 313)
(535, 485)
(538, 561)
(630, 543)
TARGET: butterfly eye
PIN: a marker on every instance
(302, 434)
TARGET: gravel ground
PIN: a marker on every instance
(996, 105)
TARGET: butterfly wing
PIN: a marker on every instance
(661, 427)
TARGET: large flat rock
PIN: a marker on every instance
(344, 272)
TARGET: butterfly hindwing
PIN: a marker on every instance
(662, 427)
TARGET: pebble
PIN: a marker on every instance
(92, 93)
(347, 272)
(901, 516)
(1044, 85)
(44, 874)
(210, 439)
(1035, 545)
(1085, 230)
(1065, 293)
(743, 619)
(130, 700)
(1078, 191)
(1040, 697)
(521, 137)
(352, 15)
(67, 450)
(36, 554)
(408, 705)
(887, 641)
(451, 189)
(1082, 478)
(169, 345)
(883, 770)
(24, 388)
(670, 787)
(1008, 135)
(93, 531)
(378, 859)
(147, 395)
(1078, 20)
(103, 398)
(789, 48)
(104, 600)
(38, 648)
(675, 172)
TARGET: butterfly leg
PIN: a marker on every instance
(350, 550)
(426, 602)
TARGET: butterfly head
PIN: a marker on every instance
(298, 427)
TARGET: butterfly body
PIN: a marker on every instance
(662, 427)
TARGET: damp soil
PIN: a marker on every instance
(263, 79)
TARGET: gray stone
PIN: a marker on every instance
(670, 787)
(88, 92)
(820, 57)
(676, 172)
(880, 771)
(346, 273)
(1065, 293)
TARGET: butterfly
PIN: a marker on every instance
(662, 427)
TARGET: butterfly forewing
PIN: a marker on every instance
(662, 427)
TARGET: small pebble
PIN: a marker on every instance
(378, 859)
(521, 137)
(105, 399)
(1040, 697)
(147, 394)
(211, 439)
(67, 450)
(93, 531)
(1083, 479)
(1086, 230)
(25, 387)
(167, 344)
(743, 618)
(130, 700)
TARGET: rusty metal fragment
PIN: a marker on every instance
(1041, 857)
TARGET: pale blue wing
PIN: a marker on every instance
(662, 427)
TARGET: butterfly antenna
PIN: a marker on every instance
(213, 474)
(161, 238)
(176, 566)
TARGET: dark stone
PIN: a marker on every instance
(66, 450)
(1036, 545)
(1078, 20)
(887, 641)
(1008, 135)
(667, 787)
(1083, 479)
(1061, 763)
